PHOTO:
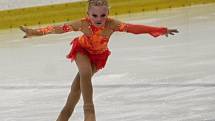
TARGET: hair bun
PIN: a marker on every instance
(98, 2)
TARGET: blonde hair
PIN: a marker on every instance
(97, 3)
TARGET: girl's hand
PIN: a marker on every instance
(28, 32)
(171, 31)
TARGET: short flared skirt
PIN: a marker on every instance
(99, 60)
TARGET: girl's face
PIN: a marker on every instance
(98, 15)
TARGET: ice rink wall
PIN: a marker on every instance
(71, 11)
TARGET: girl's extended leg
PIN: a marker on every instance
(86, 73)
(72, 99)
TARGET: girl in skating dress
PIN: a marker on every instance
(90, 51)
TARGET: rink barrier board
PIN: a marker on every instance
(52, 14)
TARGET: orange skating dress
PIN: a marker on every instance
(95, 46)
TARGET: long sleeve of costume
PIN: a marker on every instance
(53, 29)
(73, 26)
(141, 29)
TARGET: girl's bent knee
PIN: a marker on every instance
(86, 75)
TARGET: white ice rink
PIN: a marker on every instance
(145, 79)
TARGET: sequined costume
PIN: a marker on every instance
(94, 41)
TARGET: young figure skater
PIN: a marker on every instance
(90, 51)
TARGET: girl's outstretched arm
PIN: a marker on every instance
(57, 29)
(141, 29)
